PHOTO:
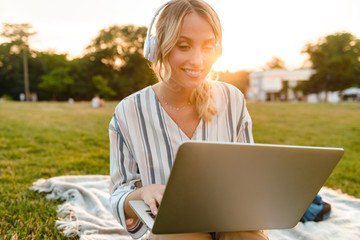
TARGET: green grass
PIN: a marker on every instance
(324, 125)
(43, 140)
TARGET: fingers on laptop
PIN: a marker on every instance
(152, 196)
(153, 207)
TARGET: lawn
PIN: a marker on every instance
(324, 125)
(43, 140)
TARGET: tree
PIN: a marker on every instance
(135, 75)
(116, 55)
(19, 34)
(11, 76)
(101, 85)
(56, 81)
(115, 42)
(274, 63)
(52, 66)
(336, 59)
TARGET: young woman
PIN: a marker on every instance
(148, 126)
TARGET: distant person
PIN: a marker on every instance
(22, 97)
(148, 126)
(33, 97)
(71, 100)
(97, 102)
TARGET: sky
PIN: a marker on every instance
(253, 31)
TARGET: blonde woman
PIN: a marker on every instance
(148, 126)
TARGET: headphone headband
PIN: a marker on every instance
(150, 44)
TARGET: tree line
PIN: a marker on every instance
(113, 67)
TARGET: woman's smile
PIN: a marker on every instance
(194, 73)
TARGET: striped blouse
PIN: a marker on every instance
(144, 140)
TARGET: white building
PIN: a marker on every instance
(266, 85)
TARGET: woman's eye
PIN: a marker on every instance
(209, 47)
(184, 47)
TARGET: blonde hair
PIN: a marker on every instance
(168, 29)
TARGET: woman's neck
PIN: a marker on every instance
(174, 95)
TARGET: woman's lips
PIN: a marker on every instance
(193, 72)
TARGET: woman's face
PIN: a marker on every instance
(194, 53)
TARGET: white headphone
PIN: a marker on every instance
(151, 42)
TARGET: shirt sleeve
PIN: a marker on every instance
(244, 129)
(124, 175)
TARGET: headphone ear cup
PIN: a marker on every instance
(147, 48)
(152, 49)
(151, 42)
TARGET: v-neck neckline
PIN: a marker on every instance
(172, 120)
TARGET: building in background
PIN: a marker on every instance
(276, 84)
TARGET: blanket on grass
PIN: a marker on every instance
(86, 212)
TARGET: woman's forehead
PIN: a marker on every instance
(195, 27)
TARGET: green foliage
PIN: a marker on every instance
(336, 59)
(135, 75)
(7, 97)
(11, 72)
(115, 42)
(56, 81)
(12, 66)
(49, 61)
(101, 85)
(120, 47)
(18, 34)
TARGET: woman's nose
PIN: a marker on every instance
(196, 57)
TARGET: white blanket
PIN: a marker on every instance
(86, 212)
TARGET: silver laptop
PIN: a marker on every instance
(220, 187)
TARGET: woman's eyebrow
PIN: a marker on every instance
(190, 40)
(183, 38)
(211, 40)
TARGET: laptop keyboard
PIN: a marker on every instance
(150, 214)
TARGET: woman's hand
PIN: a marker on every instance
(152, 195)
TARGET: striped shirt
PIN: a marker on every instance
(144, 140)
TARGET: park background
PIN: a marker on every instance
(76, 49)
(51, 137)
